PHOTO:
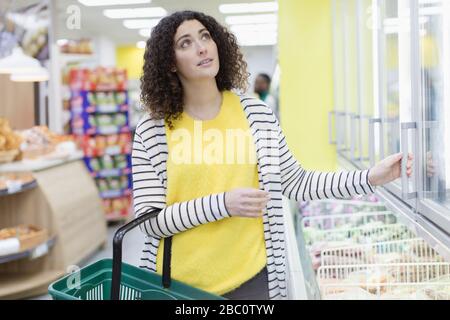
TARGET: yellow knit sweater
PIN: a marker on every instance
(207, 157)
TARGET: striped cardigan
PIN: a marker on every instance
(279, 174)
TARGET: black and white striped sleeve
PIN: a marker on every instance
(149, 193)
(302, 185)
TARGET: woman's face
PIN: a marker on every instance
(195, 52)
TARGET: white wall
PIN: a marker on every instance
(105, 51)
(260, 59)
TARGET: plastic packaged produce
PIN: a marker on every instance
(114, 183)
(121, 98)
(107, 162)
(101, 98)
(92, 120)
(124, 182)
(102, 185)
(92, 99)
(120, 162)
(95, 164)
(104, 120)
(120, 119)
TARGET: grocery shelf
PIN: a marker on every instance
(66, 58)
(23, 188)
(110, 194)
(103, 109)
(32, 253)
(106, 130)
(111, 173)
(39, 164)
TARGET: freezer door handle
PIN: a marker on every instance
(405, 126)
(372, 122)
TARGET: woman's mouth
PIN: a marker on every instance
(205, 62)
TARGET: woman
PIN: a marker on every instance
(219, 196)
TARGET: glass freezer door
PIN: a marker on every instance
(434, 178)
(395, 94)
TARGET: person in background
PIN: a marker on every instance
(262, 90)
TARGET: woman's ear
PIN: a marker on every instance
(173, 69)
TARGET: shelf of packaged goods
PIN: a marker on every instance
(106, 130)
(33, 253)
(111, 194)
(105, 173)
(39, 164)
(102, 109)
(23, 188)
(110, 151)
(98, 89)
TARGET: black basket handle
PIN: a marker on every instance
(117, 254)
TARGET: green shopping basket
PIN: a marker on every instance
(111, 279)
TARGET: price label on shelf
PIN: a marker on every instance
(13, 186)
(107, 108)
(39, 251)
(113, 150)
(108, 130)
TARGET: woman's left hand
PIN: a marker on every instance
(389, 169)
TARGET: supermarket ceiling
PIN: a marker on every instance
(94, 23)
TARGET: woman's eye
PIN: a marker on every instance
(185, 43)
(206, 36)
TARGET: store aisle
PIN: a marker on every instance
(132, 247)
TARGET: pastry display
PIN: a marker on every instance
(15, 180)
(10, 142)
(29, 236)
(40, 141)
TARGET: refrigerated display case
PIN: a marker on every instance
(402, 96)
(392, 94)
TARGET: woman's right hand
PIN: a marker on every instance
(246, 202)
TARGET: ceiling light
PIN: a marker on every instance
(37, 75)
(154, 12)
(249, 7)
(17, 62)
(259, 27)
(256, 38)
(250, 19)
(140, 23)
(141, 44)
(97, 3)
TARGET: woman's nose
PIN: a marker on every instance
(201, 48)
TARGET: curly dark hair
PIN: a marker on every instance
(161, 89)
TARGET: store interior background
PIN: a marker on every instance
(314, 54)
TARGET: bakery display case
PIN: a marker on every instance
(51, 216)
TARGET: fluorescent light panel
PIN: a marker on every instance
(140, 23)
(248, 7)
(98, 3)
(251, 19)
(259, 27)
(256, 38)
(129, 13)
